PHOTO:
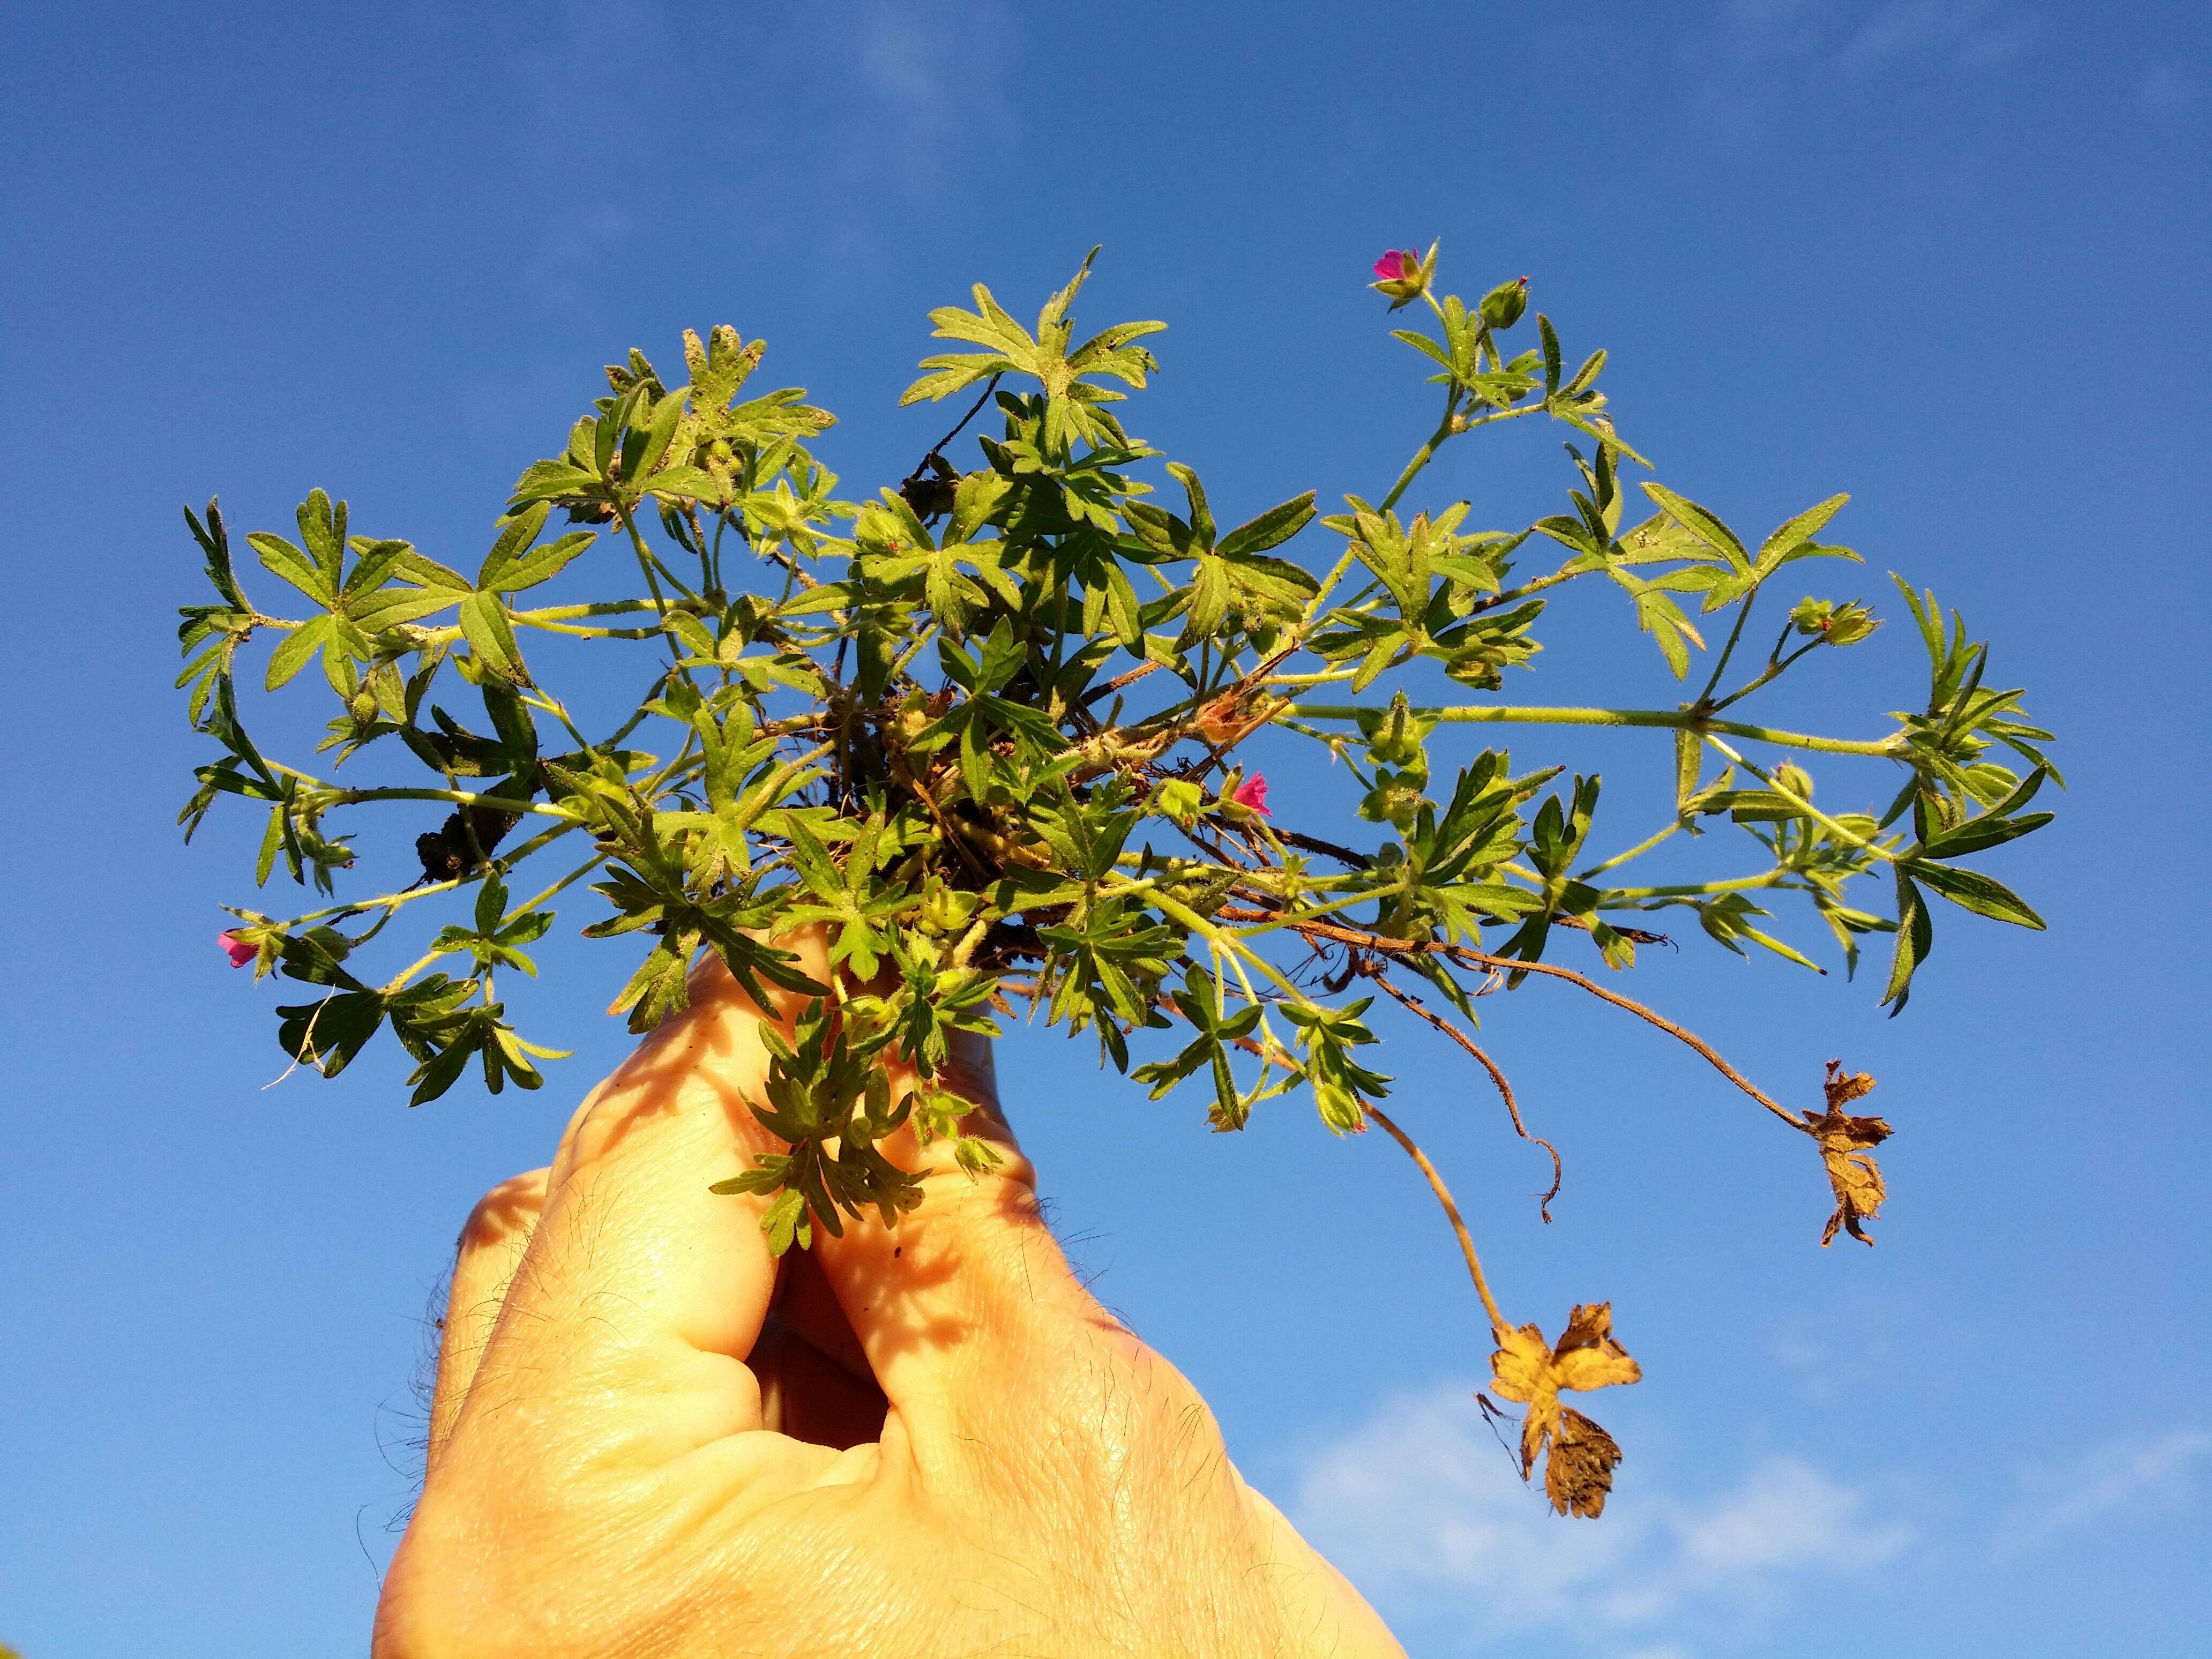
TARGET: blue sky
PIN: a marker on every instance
(1949, 257)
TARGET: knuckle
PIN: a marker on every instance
(510, 1208)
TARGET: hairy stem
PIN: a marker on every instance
(1408, 999)
(1666, 718)
(1497, 1321)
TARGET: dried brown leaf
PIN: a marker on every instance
(1579, 1473)
(1844, 1142)
(1578, 1477)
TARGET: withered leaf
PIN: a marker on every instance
(1844, 1142)
(1578, 1473)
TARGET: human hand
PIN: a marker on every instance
(648, 1436)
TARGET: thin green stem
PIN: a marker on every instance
(398, 982)
(1776, 667)
(1565, 572)
(1344, 562)
(1736, 884)
(1424, 453)
(574, 876)
(388, 903)
(1742, 615)
(457, 797)
(1222, 937)
(1806, 807)
(1635, 851)
(913, 650)
(644, 563)
(1666, 718)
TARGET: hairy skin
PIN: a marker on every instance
(650, 1439)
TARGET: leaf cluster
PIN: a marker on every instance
(986, 734)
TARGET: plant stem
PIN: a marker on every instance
(457, 797)
(1776, 667)
(1227, 938)
(1424, 454)
(1739, 884)
(1497, 1321)
(1806, 807)
(1509, 965)
(574, 875)
(1742, 615)
(1668, 719)
(1408, 999)
(1635, 851)
(644, 563)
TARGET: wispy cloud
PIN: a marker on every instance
(1857, 36)
(2157, 1474)
(821, 138)
(1426, 1512)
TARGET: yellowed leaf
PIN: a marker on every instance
(1578, 1473)
(1578, 1476)
(1844, 1142)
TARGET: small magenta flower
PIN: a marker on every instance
(1253, 793)
(237, 949)
(1404, 275)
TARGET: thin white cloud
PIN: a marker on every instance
(2159, 1474)
(1425, 1510)
(840, 115)
(1894, 28)
(1970, 34)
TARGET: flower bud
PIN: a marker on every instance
(1795, 779)
(1503, 306)
(1839, 625)
(1811, 615)
(945, 910)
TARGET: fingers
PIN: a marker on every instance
(640, 1282)
(491, 1246)
(968, 1303)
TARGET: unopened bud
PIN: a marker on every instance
(1503, 306)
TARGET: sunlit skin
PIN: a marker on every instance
(650, 1437)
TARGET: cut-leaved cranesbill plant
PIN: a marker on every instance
(983, 731)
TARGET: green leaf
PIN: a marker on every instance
(1975, 834)
(293, 654)
(1271, 528)
(1799, 530)
(1700, 522)
(1916, 938)
(327, 1035)
(1974, 891)
(281, 558)
(485, 625)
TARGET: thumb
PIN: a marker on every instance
(966, 1301)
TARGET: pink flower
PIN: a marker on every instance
(237, 949)
(1404, 275)
(1253, 793)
